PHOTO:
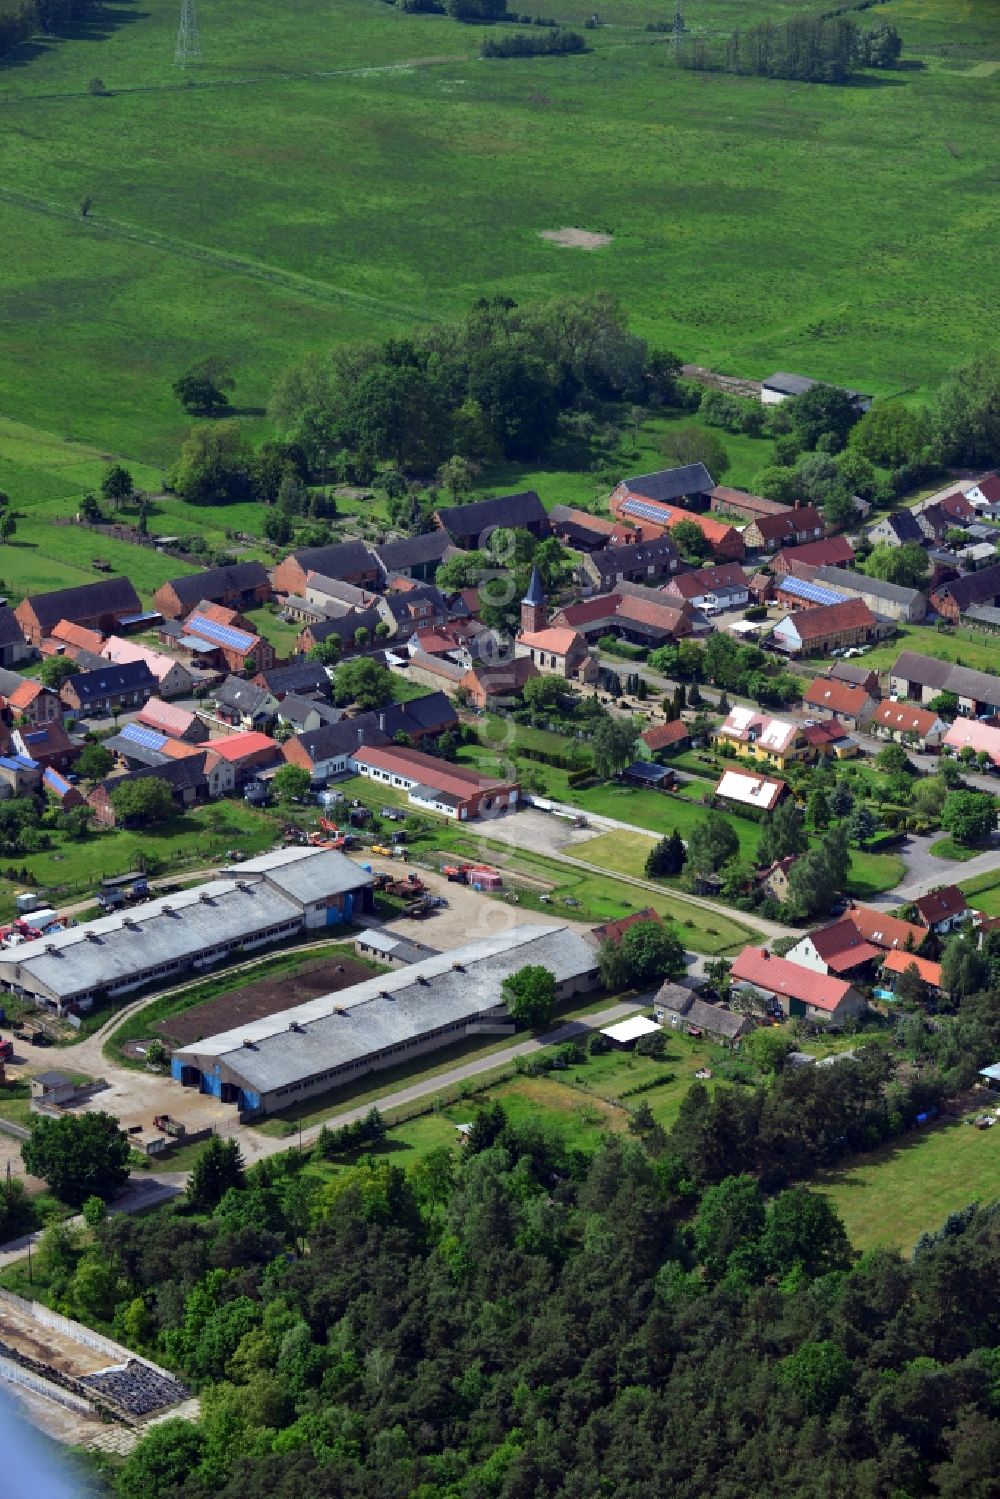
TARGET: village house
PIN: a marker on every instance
(27, 699)
(303, 677)
(889, 600)
(971, 734)
(68, 639)
(415, 556)
(636, 562)
(773, 880)
(246, 705)
(757, 736)
(835, 551)
(935, 523)
(325, 751)
(954, 599)
(47, 744)
(60, 790)
(304, 713)
(905, 723)
(794, 526)
(176, 723)
(631, 613)
(897, 963)
(898, 528)
(716, 588)
(21, 776)
(172, 679)
(185, 779)
(679, 1007)
(589, 533)
(667, 738)
(923, 678)
(856, 675)
(942, 910)
(99, 606)
(346, 561)
(13, 647)
(470, 526)
(849, 705)
(635, 501)
(435, 785)
(829, 627)
(414, 610)
(839, 949)
(238, 648)
(984, 497)
(726, 501)
(795, 590)
(690, 484)
(247, 753)
(242, 585)
(114, 689)
(798, 991)
(883, 931)
(744, 789)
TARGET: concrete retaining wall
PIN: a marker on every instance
(29, 1381)
(45, 1317)
(16, 1131)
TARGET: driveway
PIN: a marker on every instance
(925, 871)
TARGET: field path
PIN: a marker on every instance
(240, 265)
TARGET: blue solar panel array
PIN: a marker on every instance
(56, 781)
(148, 738)
(648, 511)
(237, 640)
(811, 592)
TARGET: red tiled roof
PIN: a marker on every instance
(662, 735)
(899, 962)
(238, 746)
(166, 717)
(822, 733)
(989, 488)
(884, 931)
(693, 584)
(796, 522)
(938, 905)
(650, 612)
(839, 697)
(26, 693)
(557, 641)
(429, 771)
(842, 947)
(835, 551)
(905, 718)
(755, 965)
(970, 733)
(957, 506)
(598, 607)
(78, 635)
(829, 619)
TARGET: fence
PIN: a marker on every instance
(18, 1374)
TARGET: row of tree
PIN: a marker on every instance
(808, 49)
(47, 16)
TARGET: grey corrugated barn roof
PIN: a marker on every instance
(672, 483)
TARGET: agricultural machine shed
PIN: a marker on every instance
(319, 1045)
(264, 900)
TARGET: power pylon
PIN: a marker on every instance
(188, 41)
(678, 22)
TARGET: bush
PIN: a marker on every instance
(533, 46)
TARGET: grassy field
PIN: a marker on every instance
(896, 1193)
(317, 162)
(972, 648)
(984, 891)
(201, 837)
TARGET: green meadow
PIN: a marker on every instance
(338, 171)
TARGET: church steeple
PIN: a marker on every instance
(534, 608)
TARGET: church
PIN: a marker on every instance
(556, 651)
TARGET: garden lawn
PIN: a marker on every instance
(201, 837)
(972, 648)
(984, 892)
(893, 1195)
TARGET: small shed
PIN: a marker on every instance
(52, 1087)
(646, 773)
(625, 1033)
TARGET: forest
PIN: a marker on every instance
(527, 1322)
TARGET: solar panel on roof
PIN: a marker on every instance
(803, 589)
(237, 640)
(647, 510)
(148, 738)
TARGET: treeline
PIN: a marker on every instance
(17, 26)
(522, 45)
(491, 387)
(806, 49)
(518, 1321)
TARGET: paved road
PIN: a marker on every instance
(925, 871)
(143, 1192)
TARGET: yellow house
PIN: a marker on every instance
(756, 736)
